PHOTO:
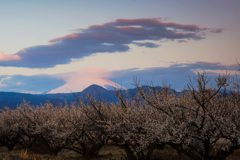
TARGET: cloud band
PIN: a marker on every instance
(109, 37)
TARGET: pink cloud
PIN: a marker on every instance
(217, 30)
(4, 57)
(82, 79)
(130, 27)
(119, 33)
(69, 36)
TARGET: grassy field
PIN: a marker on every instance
(106, 153)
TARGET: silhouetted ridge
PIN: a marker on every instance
(94, 88)
(99, 93)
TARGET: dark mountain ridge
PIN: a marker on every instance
(13, 99)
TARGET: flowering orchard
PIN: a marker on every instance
(202, 122)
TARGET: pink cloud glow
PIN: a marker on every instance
(82, 79)
(69, 36)
(119, 33)
(4, 57)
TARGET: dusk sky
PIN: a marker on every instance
(53, 46)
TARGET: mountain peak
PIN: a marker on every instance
(94, 89)
(78, 81)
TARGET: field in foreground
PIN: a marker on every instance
(109, 152)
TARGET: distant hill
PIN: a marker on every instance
(12, 99)
(97, 92)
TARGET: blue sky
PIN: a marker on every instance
(64, 45)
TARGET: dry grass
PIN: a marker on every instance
(235, 155)
(108, 152)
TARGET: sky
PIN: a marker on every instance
(66, 45)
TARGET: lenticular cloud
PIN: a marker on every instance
(82, 79)
(109, 37)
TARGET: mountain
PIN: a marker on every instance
(94, 89)
(12, 99)
(84, 78)
(99, 93)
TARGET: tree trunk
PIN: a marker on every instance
(129, 152)
(89, 150)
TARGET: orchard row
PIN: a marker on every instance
(202, 122)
